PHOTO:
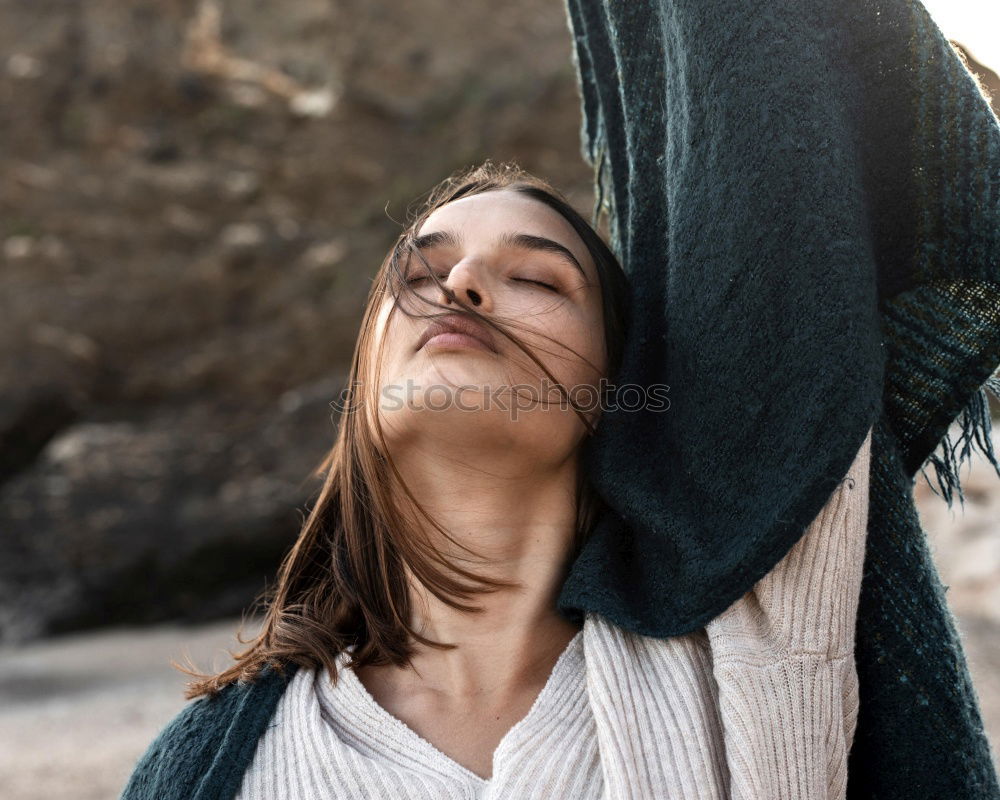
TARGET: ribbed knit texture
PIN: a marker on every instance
(760, 704)
(336, 741)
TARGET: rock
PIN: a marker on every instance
(324, 255)
(24, 66)
(27, 422)
(47, 382)
(241, 185)
(314, 103)
(178, 515)
(240, 235)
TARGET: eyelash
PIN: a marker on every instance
(544, 285)
(547, 286)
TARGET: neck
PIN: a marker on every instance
(519, 515)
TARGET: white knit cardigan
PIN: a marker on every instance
(760, 704)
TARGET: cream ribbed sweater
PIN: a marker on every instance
(760, 704)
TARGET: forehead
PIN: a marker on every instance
(483, 218)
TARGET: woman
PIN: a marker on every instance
(489, 337)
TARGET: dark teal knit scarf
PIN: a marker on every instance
(806, 197)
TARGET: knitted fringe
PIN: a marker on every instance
(975, 434)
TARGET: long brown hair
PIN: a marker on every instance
(344, 581)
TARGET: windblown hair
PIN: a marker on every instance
(344, 582)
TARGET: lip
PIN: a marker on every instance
(462, 326)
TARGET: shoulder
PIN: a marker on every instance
(207, 745)
(631, 651)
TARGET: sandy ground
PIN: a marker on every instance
(76, 712)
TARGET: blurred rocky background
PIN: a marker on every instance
(194, 197)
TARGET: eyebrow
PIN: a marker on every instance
(523, 241)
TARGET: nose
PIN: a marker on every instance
(465, 280)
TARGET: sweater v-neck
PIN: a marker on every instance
(350, 706)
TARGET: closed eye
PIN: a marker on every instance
(548, 286)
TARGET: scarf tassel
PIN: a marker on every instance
(975, 426)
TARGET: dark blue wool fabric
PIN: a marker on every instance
(204, 751)
(806, 197)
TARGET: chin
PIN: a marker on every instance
(451, 369)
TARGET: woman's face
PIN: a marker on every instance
(514, 259)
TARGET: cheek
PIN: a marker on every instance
(578, 357)
(590, 344)
(591, 347)
(387, 334)
(595, 339)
